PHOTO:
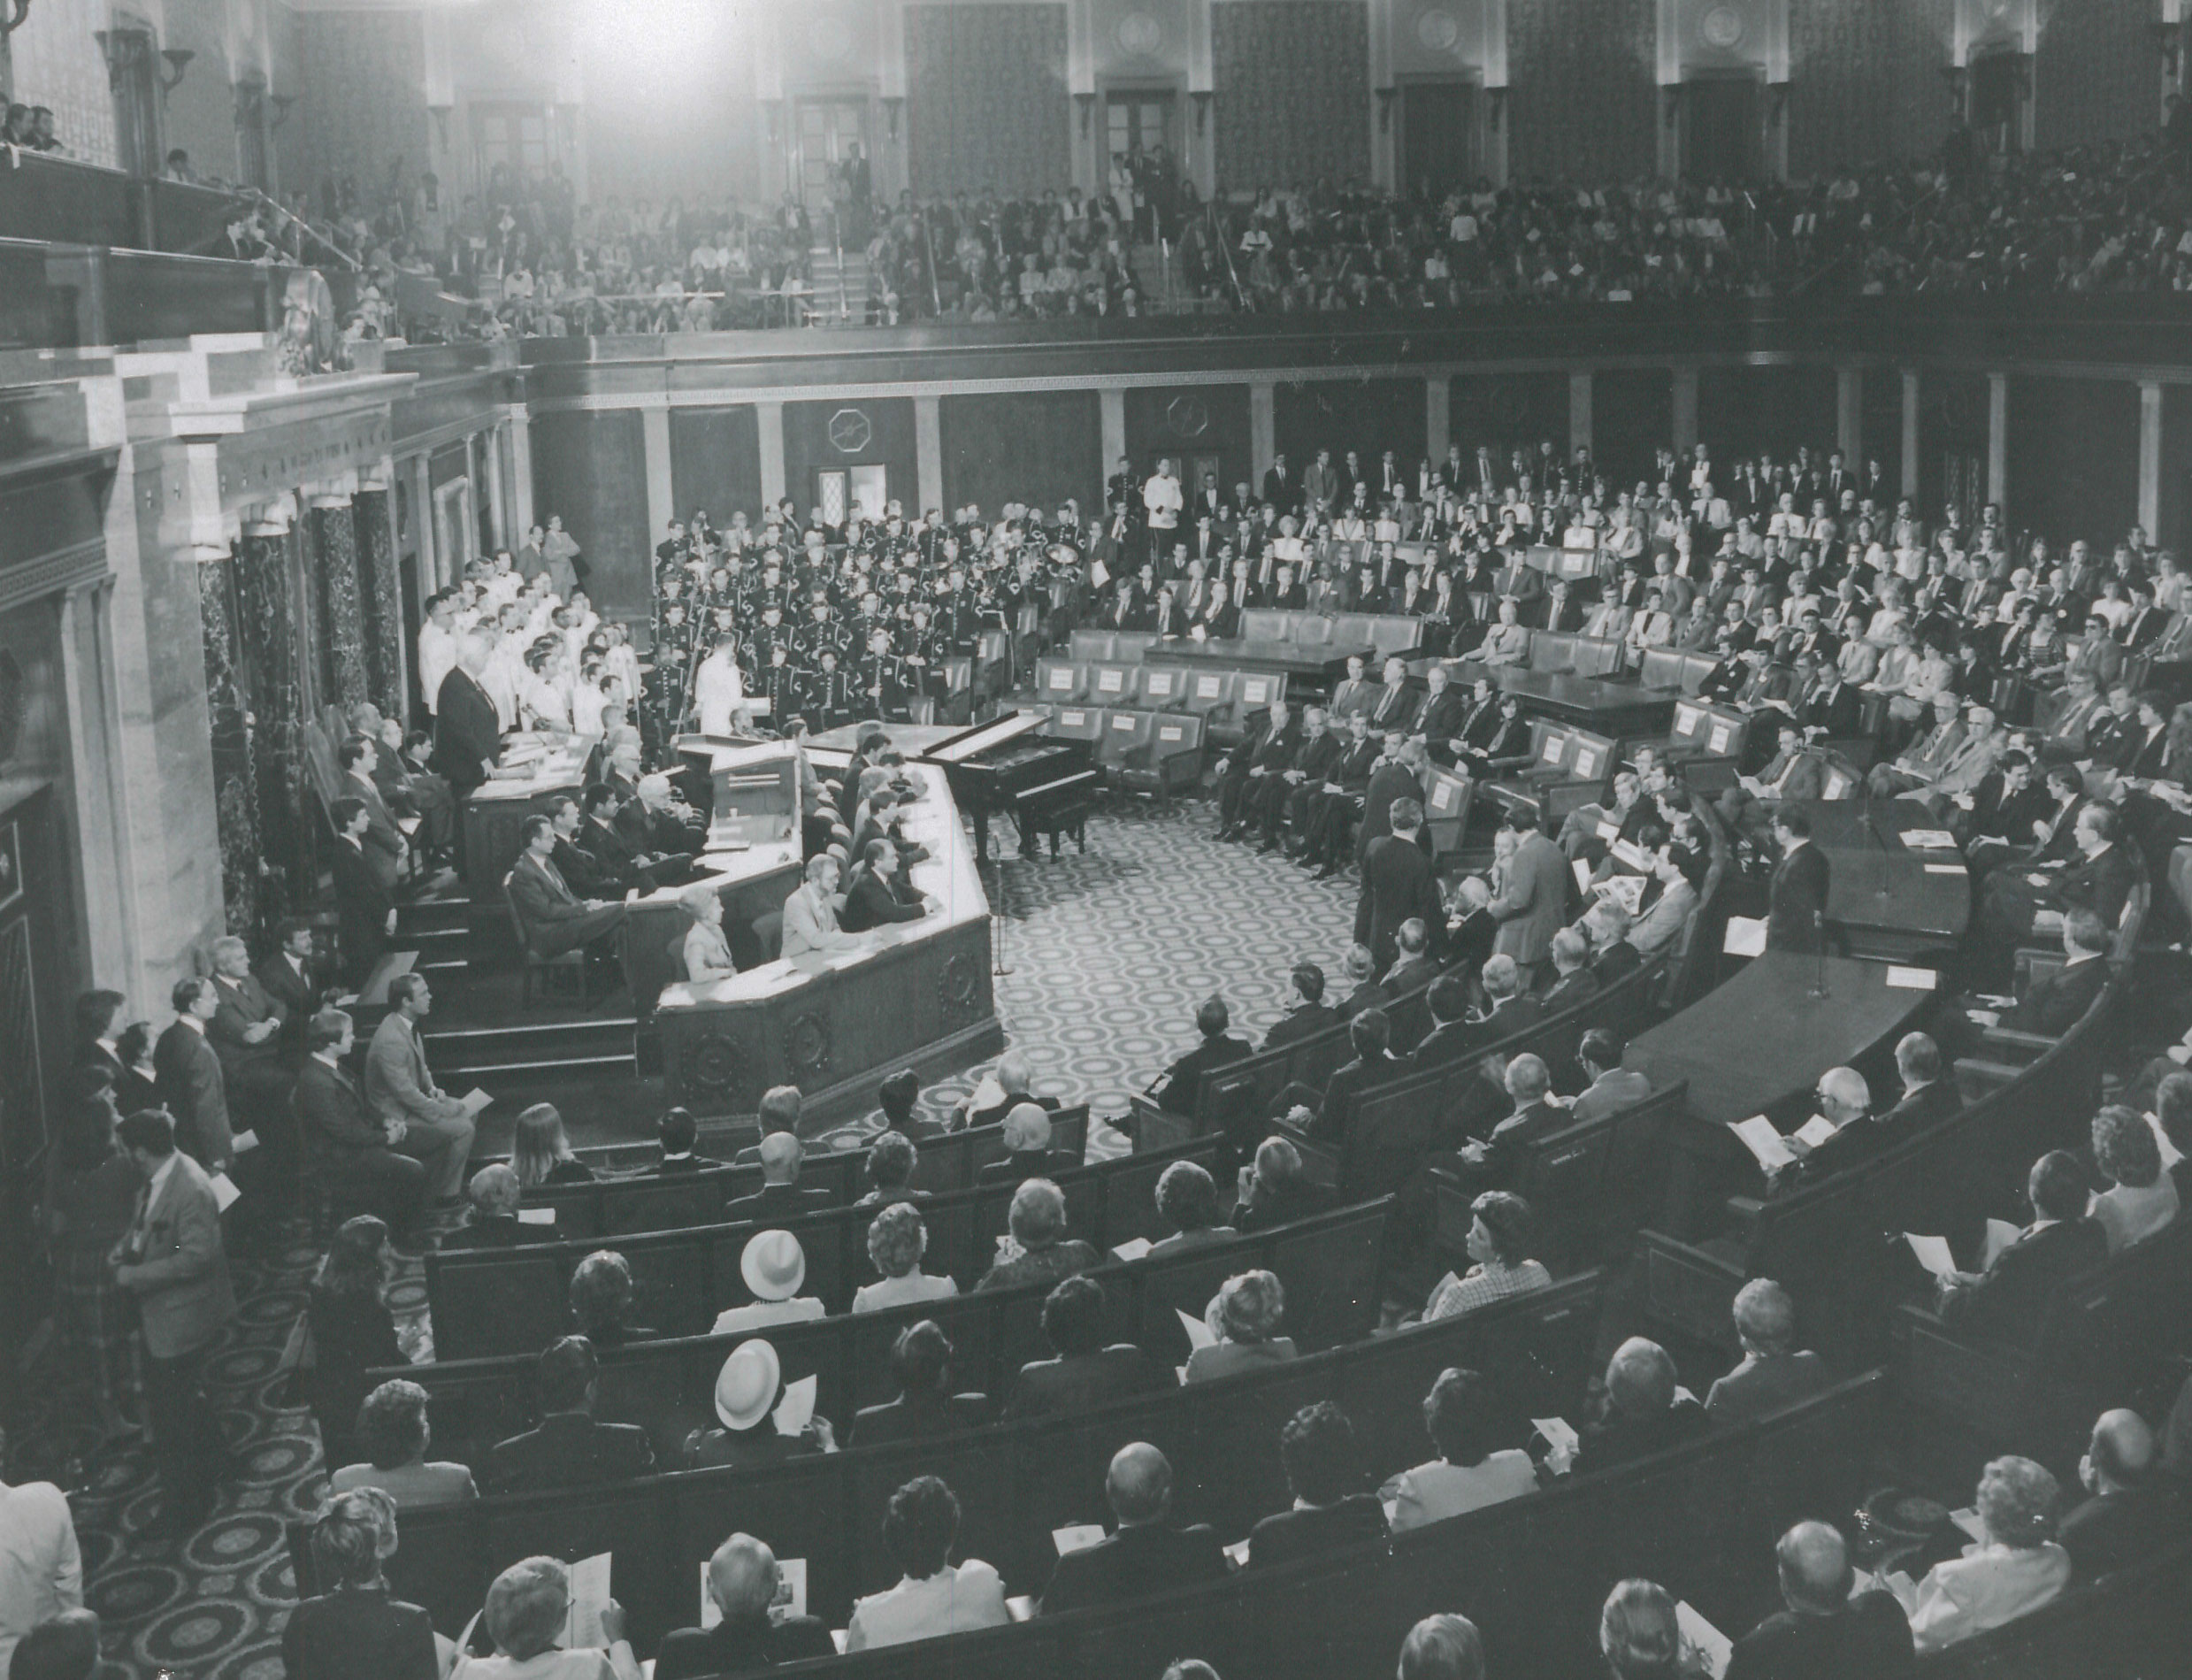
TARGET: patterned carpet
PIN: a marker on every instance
(1109, 953)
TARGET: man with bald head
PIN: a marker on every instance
(1027, 1147)
(742, 1578)
(1148, 1553)
(2132, 1513)
(1825, 1633)
(781, 1195)
(1772, 1372)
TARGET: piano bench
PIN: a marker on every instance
(1070, 816)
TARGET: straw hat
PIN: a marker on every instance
(745, 1387)
(773, 1265)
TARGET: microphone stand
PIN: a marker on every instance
(1819, 973)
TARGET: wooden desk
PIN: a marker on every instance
(1619, 709)
(917, 996)
(1319, 664)
(1879, 892)
(750, 884)
(494, 817)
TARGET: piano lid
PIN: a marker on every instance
(972, 743)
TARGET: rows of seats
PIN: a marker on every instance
(1227, 701)
(1160, 753)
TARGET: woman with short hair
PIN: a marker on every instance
(1472, 1469)
(1037, 1249)
(393, 1434)
(896, 1241)
(1498, 1242)
(1245, 1317)
(352, 1629)
(352, 1331)
(525, 1614)
(933, 1596)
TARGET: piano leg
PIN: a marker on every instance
(981, 835)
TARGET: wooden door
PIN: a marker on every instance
(1721, 137)
(828, 131)
(1437, 136)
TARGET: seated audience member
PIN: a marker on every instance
(1014, 1082)
(1826, 1630)
(353, 1330)
(1082, 1373)
(2015, 1569)
(750, 1387)
(1365, 992)
(781, 1195)
(1640, 1636)
(897, 1239)
(1613, 1087)
(1680, 872)
(394, 1435)
(1414, 965)
(1844, 1102)
(568, 1448)
(539, 1153)
(2140, 1198)
(1472, 1469)
(892, 1159)
(920, 1365)
(894, 1100)
(1645, 1409)
(1333, 1509)
(1452, 1034)
(879, 893)
(1369, 1034)
(1442, 1648)
(1614, 956)
(346, 1142)
(492, 1221)
(1027, 1149)
(2130, 1513)
(62, 1647)
(1771, 1374)
(934, 1596)
(1310, 1013)
(1929, 1095)
(774, 1266)
(1275, 1190)
(1244, 1316)
(2007, 1302)
(743, 1579)
(810, 915)
(1537, 1113)
(2053, 1003)
(527, 1609)
(42, 1570)
(1572, 982)
(1499, 1242)
(2172, 1126)
(1187, 1201)
(1147, 1554)
(779, 1111)
(706, 952)
(600, 1301)
(678, 1132)
(1179, 1085)
(1036, 1249)
(352, 1630)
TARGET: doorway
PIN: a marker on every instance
(844, 492)
(1998, 101)
(132, 76)
(1437, 150)
(828, 131)
(512, 137)
(453, 526)
(1722, 133)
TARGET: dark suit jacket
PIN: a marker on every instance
(2114, 1532)
(359, 1634)
(1135, 1563)
(556, 919)
(1569, 990)
(1022, 1164)
(1398, 884)
(568, 1448)
(1388, 782)
(2053, 1003)
(1183, 1078)
(1303, 1021)
(2008, 1303)
(872, 903)
(362, 906)
(331, 1112)
(298, 994)
(1617, 962)
(917, 1416)
(500, 1231)
(778, 1202)
(191, 1085)
(1798, 895)
(1287, 1537)
(2099, 884)
(1868, 1635)
(1347, 1083)
(1081, 1382)
(467, 732)
(739, 1647)
(1618, 1440)
(1449, 1041)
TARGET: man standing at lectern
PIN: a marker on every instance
(1797, 901)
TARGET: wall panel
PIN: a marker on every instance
(1042, 447)
(592, 469)
(1580, 102)
(986, 95)
(2074, 458)
(1742, 410)
(1864, 81)
(1632, 418)
(715, 463)
(1368, 416)
(2096, 75)
(362, 80)
(1186, 422)
(815, 436)
(1507, 411)
(1293, 92)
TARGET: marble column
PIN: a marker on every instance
(1997, 442)
(267, 631)
(1910, 432)
(334, 556)
(1262, 430)
(1850, 412)
(1437, 414)
(929, 450)
(236, 771)
(2149, 456)
(1579, 421)
(380, 594)
(1685, 408)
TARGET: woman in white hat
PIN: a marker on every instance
(774, 1267)
(751, 1393)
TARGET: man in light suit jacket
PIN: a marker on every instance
(1532, 897)
(555, 919)
(1148, 1553)
(189, 1075)
(437, 1129)
(340, 1132)
(810, 914)
(172, 1260)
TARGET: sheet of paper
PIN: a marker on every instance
(791, 1599)
(1581, 868)
(1132, 1250)
(1756, 1134)
(1077, 1537)
(1634, 856)
(1933, 1252)
(1945, 869)
(1929, 840)
(2000, 1235)
(836, 1639)
(1625, 890)
(1559, 1435)
(1721, 732)
(1609, 829)
(242, 1142)
(474, 1100)
(1020, 1607)
(224, 1192)
(1239, 1552)
(410, 824)
(1710, 1642)
(1906, 980)
(1816, 1130)
(536, 1215)
(796, 1409)
(1968, 1521)
(1197, 1333)
(1986, 1017)
(589, 1597)
(1746, 936)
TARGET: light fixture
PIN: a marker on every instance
(893, 107)
(9, 24)
(1385, 108)
(178, 61)
(2169, 42)
(280, 102)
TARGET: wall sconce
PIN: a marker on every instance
(1777, 104)
(1498, 105)
(441, 122)
(893, 108)
(1385, 110)
(1954, 77)
(177, 60)
(1671, 104)
(1202, 110)
(9, 24)
(280, 102)
(2169, 42)
(1086, 102)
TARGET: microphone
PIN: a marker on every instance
(1819, 973)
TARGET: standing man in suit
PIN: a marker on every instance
(245, 1034)
(1281, 488)
(437, 1129)
(364, 913)
(1796, 900)
(1531, 898)
(467, 728)
(1398, 884)
(1398, 774)
(555, 919)
(386, 847)
(363, 1170)
(1148, 1553)
(172, 1262)
(188, 1076)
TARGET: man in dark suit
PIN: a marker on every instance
(1310, 1015)
(1796, 900)
(1644, 1413)
(386, 847)
(2134, 1514)
(467, 729)
(1179, 1085)
(1330, 1511)
(1148, 1555)
(1397, 883)
(1826, 1633)
(188, 1076)
(2017, 905)
(1511, 1009)
(1243, 773)
(291, 978)
(925, 1406)
(781, 1195)
(555, 919)
(1613, 958)
(1325, 1122)
(1493, 1164)
(879, 896)
(1773, 1372)
(2055, 1003)
(1414, 965)
(340, 1133)
(568, 1448)
(491, 1220)
(1452, 1034)
(742, 1580)
(2008, 1302)
(1573, 982)
(1281, 488)
(1084, 1374)
(364, 913)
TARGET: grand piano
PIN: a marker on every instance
(1005, 767)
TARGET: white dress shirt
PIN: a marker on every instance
(41, 1572)
(953, 1601)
